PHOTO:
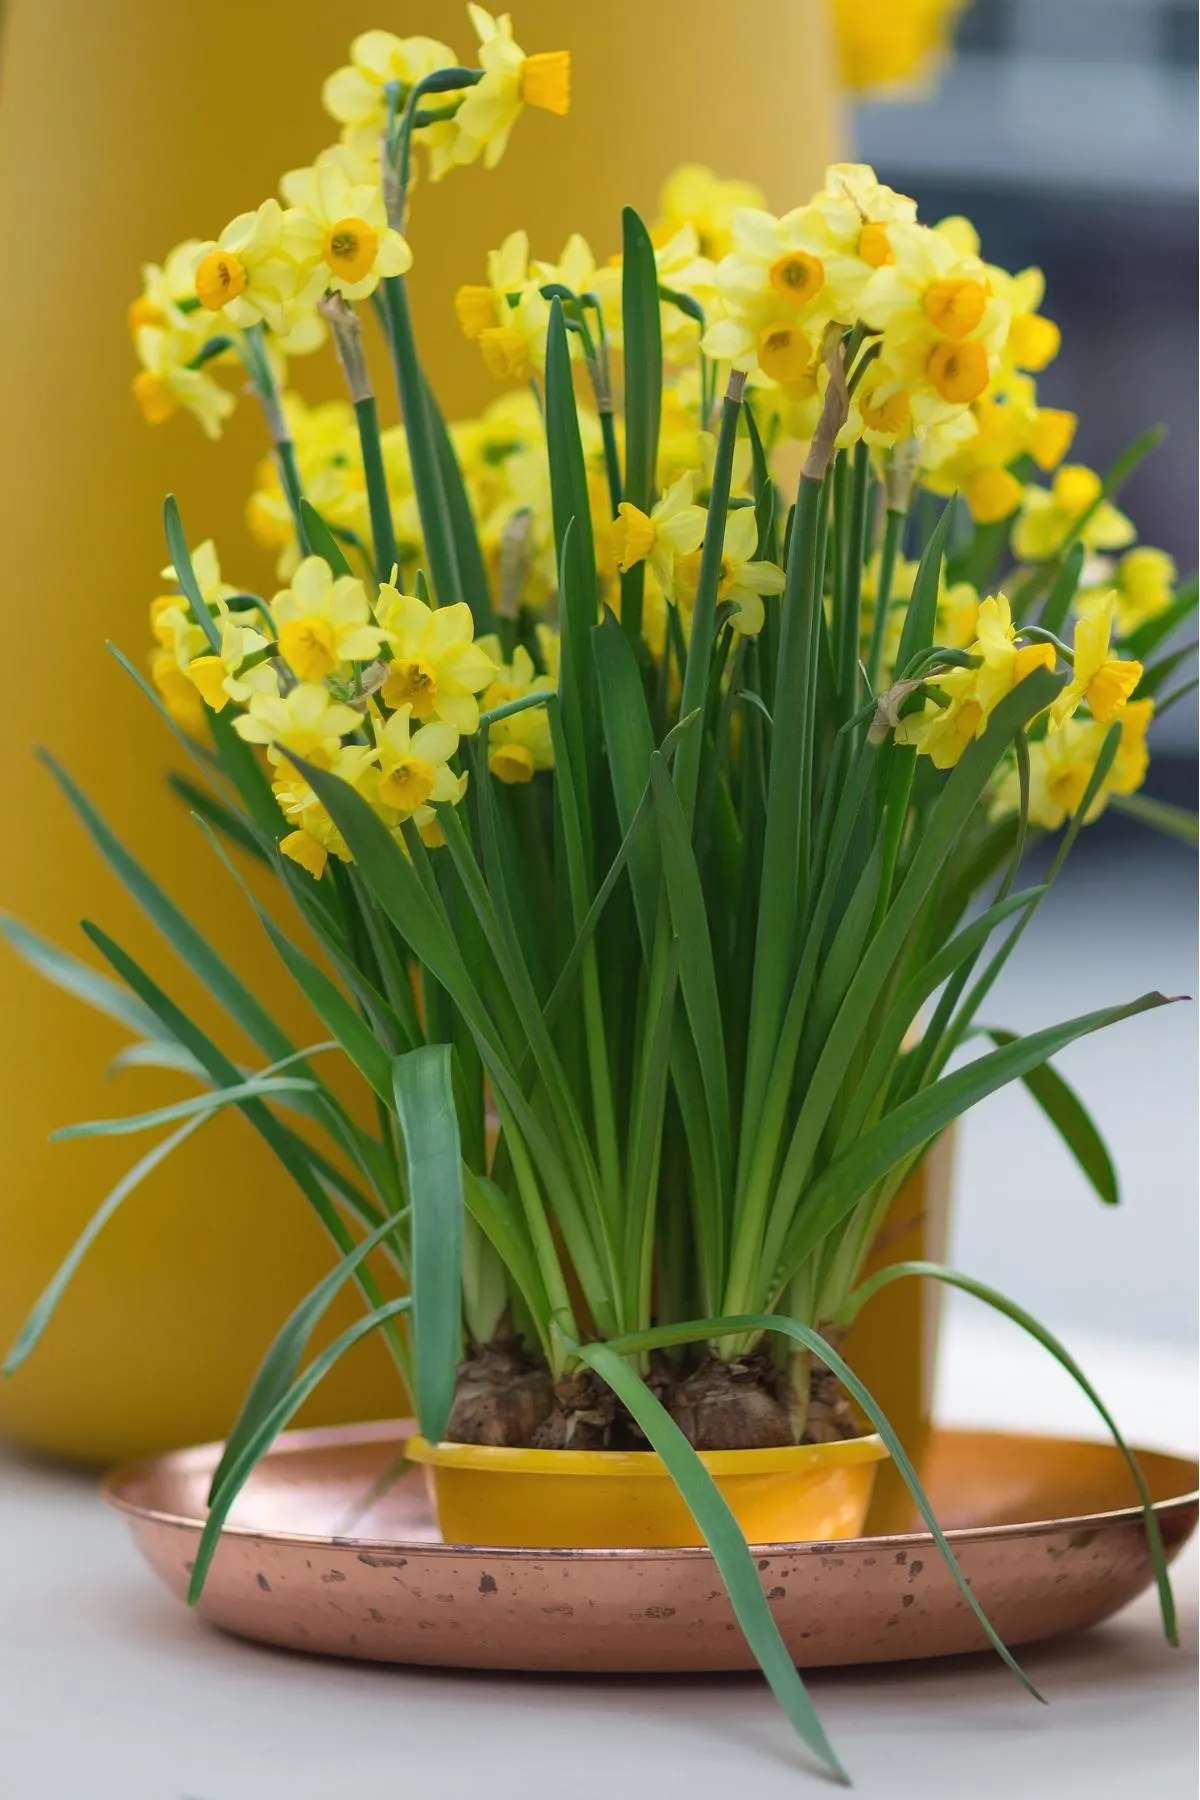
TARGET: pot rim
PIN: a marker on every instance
(494, 1459)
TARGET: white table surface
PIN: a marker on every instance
(109, 1690)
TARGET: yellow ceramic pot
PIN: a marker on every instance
(614, 1499)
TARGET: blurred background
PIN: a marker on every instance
(1066, 129)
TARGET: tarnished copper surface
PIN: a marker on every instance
(333, 1549)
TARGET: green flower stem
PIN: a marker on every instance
(893, 531)
(779, 895)
(435, 526)
(382, 532)
(258, 367)
(704, 615)
(850, 622)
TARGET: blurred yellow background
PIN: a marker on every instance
(124, 128)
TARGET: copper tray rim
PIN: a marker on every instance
(397, 1431)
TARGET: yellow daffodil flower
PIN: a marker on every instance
(693, 195)
(306, 721)
(1100, 681)
(324, 621)
(889, 43)
(1143, 583)
(1049, 516)
(171, 620)
(414, 775)
(316, 837)
(520, 745)
(356, 95)
(943, 732)
(778, 287)
(222, 678)
(1007, 424)
(510, 81)
(743, 580)
(1061, 765)
(179, 695)
(942, 326)
(674, 527)
(338, 232)
(437, 670)
(245, 274)
(166, 383)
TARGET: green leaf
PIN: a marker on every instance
(185, 575)
(322, 541)
(912, 996)
(730, 1553)
(575, 550)
(505, 1229)
(697, 971)
(1070, 1118)
(260, 1440)
(326, 999)
(222, 818)
(1058, 601)
(208, 967)
(472, 570)
(1155, 675)
(78, 979)
(429, 1124)
(1160, 815)
(706, 1329)
(629, 740)
(202, 1104)
(1155, 631)
(642, 319)
(31, 1331)
(920, 620)
(1027, 1322)
(278, 1367)
(916, 1122)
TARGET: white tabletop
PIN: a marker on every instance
(109, 1690)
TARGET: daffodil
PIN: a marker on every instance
(1101, 681)
(743, 580)
(356, 95)
(520, 745)
(1142, 583)
(338, 233)
(889, 43)
(306, 721)
(1050, 516)
(167, 383)
(779, 286)
(510, 81)
(316, 838)
(942, 327)
(508, 316)
(180, 696)
(693, 195)
(414, 771)
(324, 621)
(222, 677)
(1061, 766)
(171, 619)
(1007, 424)
(673, 527)
(970, 696)
(245, 274)
(437, 670)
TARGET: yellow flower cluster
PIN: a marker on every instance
(1068, 738)
(333, 230)
(379, 692)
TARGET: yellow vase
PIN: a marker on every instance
(158, 122)
(613, 1499)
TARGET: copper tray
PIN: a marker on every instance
(333, 1549)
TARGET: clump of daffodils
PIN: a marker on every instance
(942, 396)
